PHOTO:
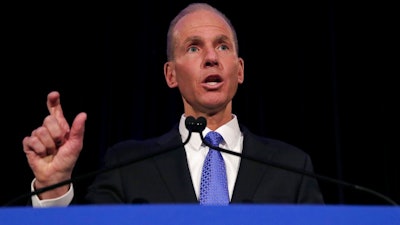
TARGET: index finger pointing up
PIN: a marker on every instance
(54, 105)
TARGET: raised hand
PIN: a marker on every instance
(53, 148)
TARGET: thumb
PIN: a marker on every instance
(78, 128)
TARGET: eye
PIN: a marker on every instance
(223, 47)
(192, 49)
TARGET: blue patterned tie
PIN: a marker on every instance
(214, 184)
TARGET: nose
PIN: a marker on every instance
(211, 58)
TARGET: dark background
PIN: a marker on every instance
(320, 75)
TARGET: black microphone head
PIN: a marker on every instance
(189, 123)
(195, 125)
(201, 124)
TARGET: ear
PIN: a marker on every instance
(169, 73)
(241, 71)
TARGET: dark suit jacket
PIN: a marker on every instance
(165, 178)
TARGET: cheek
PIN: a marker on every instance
(184, 74)
(234, 86)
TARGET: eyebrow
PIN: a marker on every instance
(222, 38)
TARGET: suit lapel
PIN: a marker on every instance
(250, 172)
(174, 169)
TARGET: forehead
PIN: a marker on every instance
(200, 23)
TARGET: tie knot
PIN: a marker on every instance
(214, 138)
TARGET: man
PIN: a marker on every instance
(203, 63)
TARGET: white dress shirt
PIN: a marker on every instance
(196, 151)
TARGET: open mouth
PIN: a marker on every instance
(213, 80)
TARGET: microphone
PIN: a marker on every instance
(199, 124)
(195, 125)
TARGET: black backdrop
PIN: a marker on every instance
(318, 74)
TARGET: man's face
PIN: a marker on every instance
(206, 67)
